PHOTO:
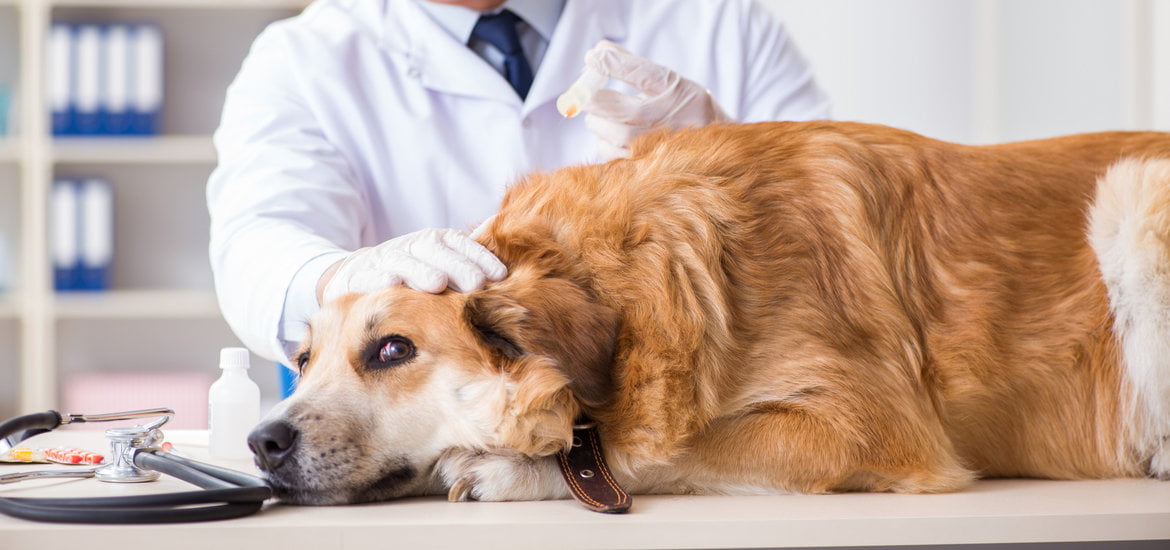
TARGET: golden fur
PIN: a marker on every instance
(807, 307)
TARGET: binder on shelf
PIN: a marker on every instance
(97, 234)
(64, 248)
(82, 234)
(61, 63)
(115, 94)
(88, 71)
(147, 76)
(105, 79)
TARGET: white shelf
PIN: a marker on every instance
(137, 304)
(206, 41)
(133, 150)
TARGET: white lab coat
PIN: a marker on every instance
(361, 120)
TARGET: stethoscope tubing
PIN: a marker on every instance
(15, 430)
(207, 476)
(225, 493)
(126, 510)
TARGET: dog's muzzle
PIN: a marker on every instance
(272, 443)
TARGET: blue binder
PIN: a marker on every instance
(81, 234)
(88, 74)
(105, 79)
(147, 70)
(96, 234)
(62, 60)
(63, 234)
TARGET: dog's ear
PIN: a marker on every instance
(555, 318)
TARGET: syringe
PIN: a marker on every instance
(572, 102)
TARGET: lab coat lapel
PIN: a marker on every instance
(439, 61)
(582, 24)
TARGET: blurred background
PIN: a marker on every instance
(983, 71)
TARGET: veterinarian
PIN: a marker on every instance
(357, 132)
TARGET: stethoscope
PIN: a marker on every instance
(135, 457)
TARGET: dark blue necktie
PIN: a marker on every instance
(499, 30)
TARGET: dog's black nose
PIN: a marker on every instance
(272, 442)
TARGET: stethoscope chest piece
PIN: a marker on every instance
(123, 442)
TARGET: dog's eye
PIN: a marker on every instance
(395, 350)
(302, 362)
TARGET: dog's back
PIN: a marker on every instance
(890, 311)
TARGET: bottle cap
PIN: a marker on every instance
(234, 358)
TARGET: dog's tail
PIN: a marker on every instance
(1130, 232)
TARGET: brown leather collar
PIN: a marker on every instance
(586, 474)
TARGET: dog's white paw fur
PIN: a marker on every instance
(500, 475)
(1160, 462)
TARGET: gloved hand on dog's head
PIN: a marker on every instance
(429, 260)
(666, 99)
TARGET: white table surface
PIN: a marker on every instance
(998, 511)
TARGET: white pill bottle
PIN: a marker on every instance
(233, 406)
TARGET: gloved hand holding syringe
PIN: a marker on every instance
(664, 98)
(571, 103)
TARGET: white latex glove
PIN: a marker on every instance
(429, 260)
(665, 99)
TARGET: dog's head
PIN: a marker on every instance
(393, 380)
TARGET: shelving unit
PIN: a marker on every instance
(162, 308)
(138, 304)
(10, 210)
(191, 149)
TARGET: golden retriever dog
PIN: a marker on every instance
(767, 308)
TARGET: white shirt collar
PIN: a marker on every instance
(541, 15)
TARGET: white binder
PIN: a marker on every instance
(105, 79)
(61, 54)
(63, 234)
(89, 79)
(116, 90)
(148, 78)
(96, 234)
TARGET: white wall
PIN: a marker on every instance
(1062, 67)
(979, 71)
(1160, 65)
(901, 62)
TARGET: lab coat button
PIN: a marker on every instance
(413, 72)
(527, 122)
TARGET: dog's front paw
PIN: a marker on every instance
(1160, 462)
(499, 476)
